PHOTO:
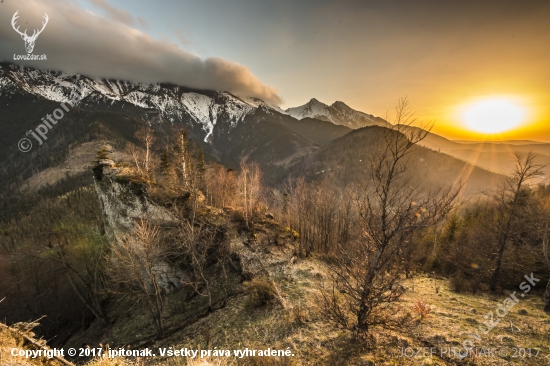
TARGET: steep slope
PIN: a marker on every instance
(338, 113)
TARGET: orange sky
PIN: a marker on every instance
(441, 56)
(451, 123)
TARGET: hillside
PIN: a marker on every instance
(294, 320)
(259, 293)
(262, 295)
(345, 160)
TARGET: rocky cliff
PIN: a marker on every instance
(124, 201)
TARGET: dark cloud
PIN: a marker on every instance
(77, 40)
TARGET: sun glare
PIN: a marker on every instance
(493, 115)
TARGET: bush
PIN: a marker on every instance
(422, 309)
(263, 292)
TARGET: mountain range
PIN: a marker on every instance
(229, 128)
(167, 102)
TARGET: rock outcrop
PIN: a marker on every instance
(124, 201)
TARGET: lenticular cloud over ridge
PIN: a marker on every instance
(79, 41)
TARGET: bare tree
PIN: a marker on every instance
(139, 262)
(546, 260)
(220, 186)
(181, 148)
(137, 156)
(249, 190)
(198, 242)
(367, 273)
(147, 138)
(508, 200)
(321, 215)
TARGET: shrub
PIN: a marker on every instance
(263, 292)
(422, 309)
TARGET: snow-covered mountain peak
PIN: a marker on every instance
(338, 113)
(312, 109)
(314, 101)
(341, 106)
(171, 103)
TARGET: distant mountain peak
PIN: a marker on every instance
(315, 106)
(341, 105)
(315, 101)
(338, 113)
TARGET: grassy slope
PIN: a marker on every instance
(295, 320)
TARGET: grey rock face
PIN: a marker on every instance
(124, 201)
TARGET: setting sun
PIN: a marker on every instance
(493, 115)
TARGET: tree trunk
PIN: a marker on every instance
(547, 298)
(494, 279)
(364, 308)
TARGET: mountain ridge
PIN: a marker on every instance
(338, 113)
(164, 102)
(213, 117)
(172, 103)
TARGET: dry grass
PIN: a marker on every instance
(101, 361)
(9, 340)
(299, 325)
(454, 317)
(78, 161)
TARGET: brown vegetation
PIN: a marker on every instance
(352, 248)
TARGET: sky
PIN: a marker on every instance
(443, 56)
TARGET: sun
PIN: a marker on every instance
(493, 115)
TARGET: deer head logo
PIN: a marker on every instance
(29, 40)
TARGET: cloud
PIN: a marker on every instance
(143, 24)
(119, 15)
(79, 41)
(184, 41)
